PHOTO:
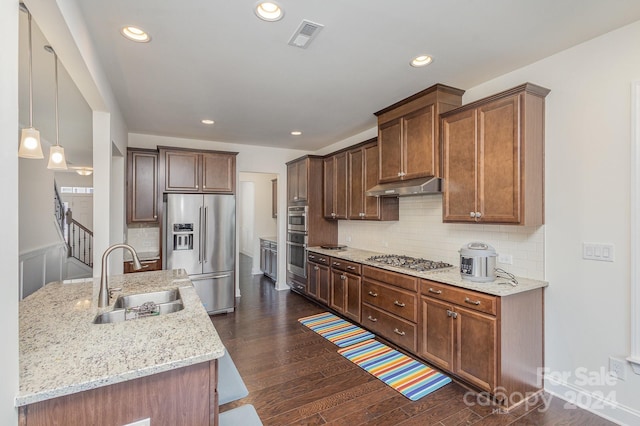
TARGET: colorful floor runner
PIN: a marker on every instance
(335, 329)
(406, 375)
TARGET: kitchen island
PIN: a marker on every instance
(76, 372)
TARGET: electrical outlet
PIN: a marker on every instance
(507, 259)
(348, 238)
(617, 368)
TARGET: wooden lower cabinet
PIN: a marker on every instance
(186, 396)
(492, 343)
(345, 294)
(397, 330)
(318, 281)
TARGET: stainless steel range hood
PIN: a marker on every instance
(419, 186)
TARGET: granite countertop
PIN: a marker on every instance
(142, 255)
(451, 276)
(270, 239)
(62, 352)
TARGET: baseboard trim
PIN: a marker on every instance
(596, 403)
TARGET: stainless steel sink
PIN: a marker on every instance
(136, 306)
(157, 297)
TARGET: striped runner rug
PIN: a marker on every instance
(406, 375)
(333, 328)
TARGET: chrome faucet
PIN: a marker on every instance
(103, 296)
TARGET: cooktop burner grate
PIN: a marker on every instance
(416, 264)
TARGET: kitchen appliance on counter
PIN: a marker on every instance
(407, 262)
(200, 236)
(478, 262)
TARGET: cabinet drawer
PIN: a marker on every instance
(399, 280)
(470, 299)
(399, 331)
(346, 266)
(399, 302)
(318, 258)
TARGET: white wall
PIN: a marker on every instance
(9, 214)
(587, 200)
(73, 179)
(245, 220)
(257, 159)
(264, 225)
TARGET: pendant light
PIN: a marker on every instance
(56, 153)
(30, 137)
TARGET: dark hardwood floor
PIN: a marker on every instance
(294, 376)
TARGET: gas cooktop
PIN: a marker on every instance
(413, 263)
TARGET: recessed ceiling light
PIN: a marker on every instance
(205, 121)
(296, 133)
(135, 34)
(269, 11)
(421, 61)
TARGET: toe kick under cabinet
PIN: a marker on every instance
(491, 342)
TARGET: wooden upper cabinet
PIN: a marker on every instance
(297, 181)
(408, 134)
(218, 172)
(494, 159)
(198, 171)
(335, 186)
(142, 186)
(363, 175)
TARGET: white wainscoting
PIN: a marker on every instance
(41, 266)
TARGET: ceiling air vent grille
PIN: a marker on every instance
(305, 33)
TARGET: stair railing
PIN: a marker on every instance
(79, 240)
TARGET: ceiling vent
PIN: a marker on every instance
(305, 33)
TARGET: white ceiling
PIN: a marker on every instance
(215, 59)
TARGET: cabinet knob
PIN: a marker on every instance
(196, 186)
(342, 277)
(315, 268)
(399, 173)
(402, 305)
(472, 214)
(155, 216)
(478, 215)
(295, 198)
(401, 333)
(370, 318)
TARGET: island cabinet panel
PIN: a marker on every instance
(185, 396)
(142, 186)
(493, 161)
(409, 134)
(186, 171)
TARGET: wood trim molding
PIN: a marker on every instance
(634, 358)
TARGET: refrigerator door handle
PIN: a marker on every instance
(200, 242)
(205, 231)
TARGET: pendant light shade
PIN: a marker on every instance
(57, 160)
(30, 137)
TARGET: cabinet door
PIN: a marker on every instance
(218, 173)
(436, 333)
(476, 348)
(181, 171)
(273, 269)
(302, 181)
(352, 293)
(419, 150)
(142, 188)
(371, 172)
(313, 276)
(460, 162)
(499, 161)
(329, 187)
(390, 150)
(297, 181)
(341, 179)
(263, 258)
(324, 283)
(338, 286)
(356, 182)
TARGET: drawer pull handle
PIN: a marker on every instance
(434, 291)
(472, 302)
(353, 268)
(372, 319)
(336, 263)
(401, 333)
(311, 256)
(402, 305)
(372, 294)
(322, 259)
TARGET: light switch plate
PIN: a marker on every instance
(594, 251)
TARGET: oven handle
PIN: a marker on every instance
(296, 244)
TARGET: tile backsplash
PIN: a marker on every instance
(421, 233)
(144, 237)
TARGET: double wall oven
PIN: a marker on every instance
(297, 238)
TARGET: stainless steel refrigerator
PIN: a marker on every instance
(200, 236)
